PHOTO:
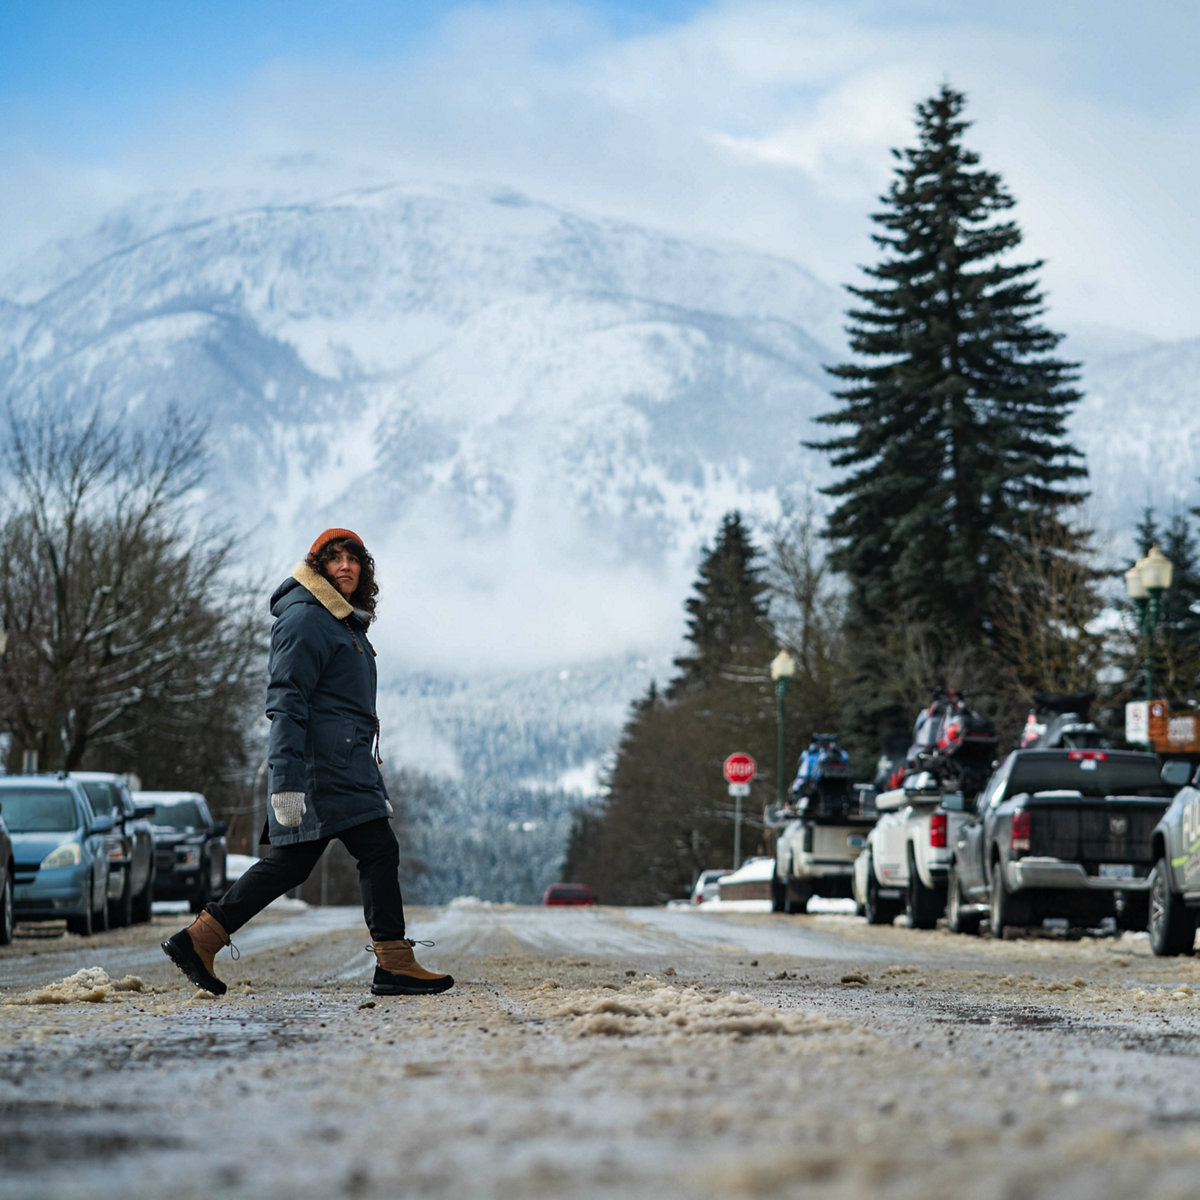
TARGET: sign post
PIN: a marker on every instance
(739, 770)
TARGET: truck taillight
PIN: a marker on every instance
(1022, 827)
(1087, 756)
(937, 831)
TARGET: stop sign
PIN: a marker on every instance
(739, 768)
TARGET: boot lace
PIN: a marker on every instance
(370, 948)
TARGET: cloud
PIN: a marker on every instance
(767, 122)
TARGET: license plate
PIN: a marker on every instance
(1116, 871)
(856, 841)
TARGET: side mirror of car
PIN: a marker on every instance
(102, 824)
(219, 829)
(144, 810)
(1177, 772)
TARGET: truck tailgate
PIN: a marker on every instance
(1090, 831)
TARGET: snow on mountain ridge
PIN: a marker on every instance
(534, 416)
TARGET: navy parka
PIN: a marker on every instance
(321, 703)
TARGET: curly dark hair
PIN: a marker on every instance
(364, 595)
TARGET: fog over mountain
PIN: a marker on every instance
(534, 417)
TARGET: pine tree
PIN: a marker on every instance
(728, 625)
(956, 409)
(667, 813)
(1176, 638)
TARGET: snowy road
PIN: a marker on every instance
(601, 1053)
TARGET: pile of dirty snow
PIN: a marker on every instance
(658, 1010)
(91, 985)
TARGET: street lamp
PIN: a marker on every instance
(783, 667)
(1145, 582)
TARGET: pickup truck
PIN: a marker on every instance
(1175, 876)
(906, 860)
(1059, 833)
(815, 851)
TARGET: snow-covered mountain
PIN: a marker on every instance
(533, 416)
(1139, 427)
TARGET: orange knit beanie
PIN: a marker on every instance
(335, 535)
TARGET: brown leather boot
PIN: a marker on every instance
(193, 949)
(397, 972)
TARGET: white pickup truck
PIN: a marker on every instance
(815, 852)
(903, 866)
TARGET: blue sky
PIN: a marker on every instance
(762, 120)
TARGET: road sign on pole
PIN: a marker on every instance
(740, 768)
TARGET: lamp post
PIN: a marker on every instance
(783, 667)
(1145, 582)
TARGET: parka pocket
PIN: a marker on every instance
(343, 743)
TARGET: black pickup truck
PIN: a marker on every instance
(1061, 833)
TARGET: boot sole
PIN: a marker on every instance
(414, 989)
(193, 969)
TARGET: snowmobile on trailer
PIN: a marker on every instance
(820, 831)
(1061, 722)
(951, 741)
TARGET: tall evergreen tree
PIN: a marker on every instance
(728, 625)
(956, 407)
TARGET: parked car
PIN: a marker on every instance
(568, 893)
(130, 846)
(189, 848)
(1063, 833)
(1175, 876)
(907, 856)
(706, 885)
(60, 851)
(6, 883)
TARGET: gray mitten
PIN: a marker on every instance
(391, 810)
(289, 808)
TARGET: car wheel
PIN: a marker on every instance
(1006, 909)
(1172, 928)
(100, 916)
(958, 921)
(82, 924)
(200, 899)
(923, 905)
(120, 911)
(143, 902)
(797, 898)
(877, 911)
(6, 910)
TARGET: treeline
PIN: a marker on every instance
(954, 553)
(129, 641)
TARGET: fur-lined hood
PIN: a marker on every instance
(319, 589)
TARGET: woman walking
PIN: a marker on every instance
(323, 766)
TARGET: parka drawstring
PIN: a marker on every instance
(375, 750)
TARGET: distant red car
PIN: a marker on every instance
(568, 893)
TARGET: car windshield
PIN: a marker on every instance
(184, 815)
(103, 797)
(38, 810)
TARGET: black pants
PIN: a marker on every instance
(375, 849)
